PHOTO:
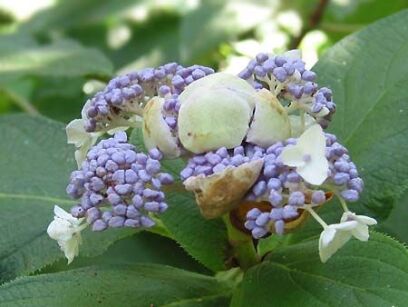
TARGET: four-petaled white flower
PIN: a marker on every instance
(66, 230)
(308, 156)
(334, 236)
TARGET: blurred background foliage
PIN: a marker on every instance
(55, 53)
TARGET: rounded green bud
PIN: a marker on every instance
(215, 112)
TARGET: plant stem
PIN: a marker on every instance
(242, 244)
(22, 103)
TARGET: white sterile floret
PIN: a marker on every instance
(308, 156)
(270, 122)
(82, 140)
(360, 232)
(66, 230)
(215, 112)
(156, 132)
(334, 236)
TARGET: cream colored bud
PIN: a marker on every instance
(270, 122)
(215, 112)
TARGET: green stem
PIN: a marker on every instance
(243, 247)
(22, 102)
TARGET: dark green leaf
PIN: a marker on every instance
(36, 162)
(124, 285)
(374, 273)
(368, 73)
(60, 59)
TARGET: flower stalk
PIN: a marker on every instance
(243, 248)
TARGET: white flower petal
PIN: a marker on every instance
(313, 142)
(327, 236)
(326, 251)
(315, 171)
(292, 156)
(82, 140)
(345, 226)
(71, 247)
(76, 133)
(361, 232)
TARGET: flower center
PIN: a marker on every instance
(307, 158)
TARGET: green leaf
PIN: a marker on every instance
(60, 59)
(35, 164)
(143, 247)
(125, 285)
(340, 20)
(205, 240)
(368, 73)
(372, 274)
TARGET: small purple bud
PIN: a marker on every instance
(147, 222)
(132, 223)
(132, 212)
(137, 201)
(130, 176)
(259, 232)
(290, 212)
(262, 219)
(144, 175)
(92, 215)
(318, 197)
(114, 198)
(350, 195)
(341, 178)
(166, 178)
(253, 213)
(259, 188)
(152, 166)
(155, 154)
(116, 221)
(99, 225)
(130, 156)
(119, 158)
(275, 198)
(308, 75)
(296, 199)
(356, 184)
(119, 209)
(123, 189)
(279, 227)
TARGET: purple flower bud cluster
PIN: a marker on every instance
(214, 162)
(343, 172)
(118, 186)
(125, 96)
(286, 191)
(288, 78)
